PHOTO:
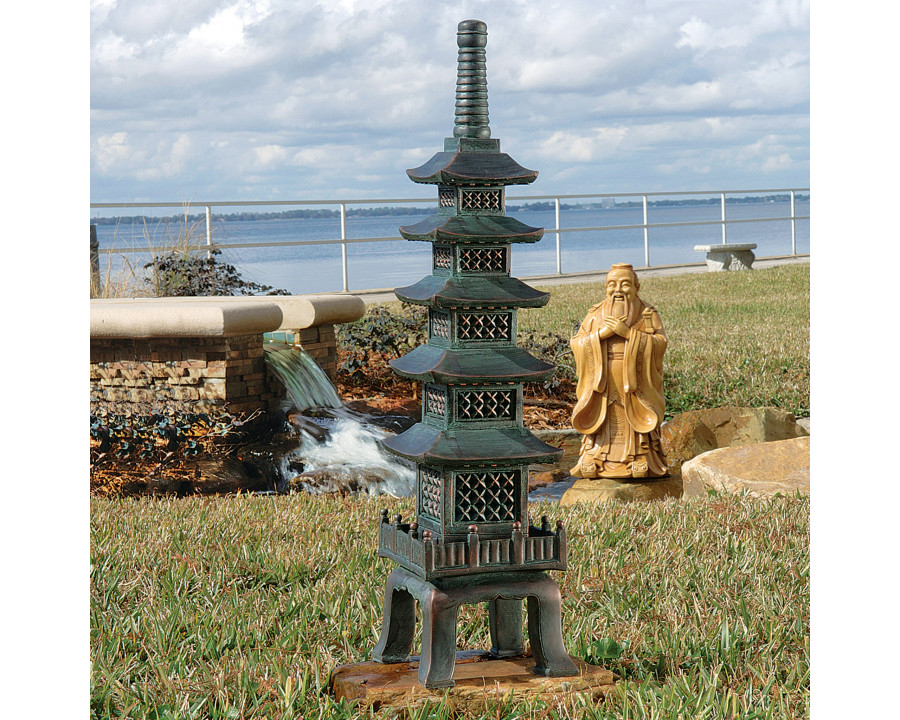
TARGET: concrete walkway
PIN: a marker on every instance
(373, 297)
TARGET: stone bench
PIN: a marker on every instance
(202, 352)
(728, 256)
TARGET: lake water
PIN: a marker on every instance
(388, 264)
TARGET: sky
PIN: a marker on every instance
(269, 100)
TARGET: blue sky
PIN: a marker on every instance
(263, 99)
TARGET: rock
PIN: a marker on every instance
(227, 475)
(599, 490)
(206, 477)
(762, 469)
(692, 433)
(386, 405)
(348, 481)
(307, 426)
(480, 680)
(552, 492)
(541, 478)
(392, 414)
(568, 440)
(157, 485)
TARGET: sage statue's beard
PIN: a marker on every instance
(620, 308)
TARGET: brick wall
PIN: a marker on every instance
(193, 374)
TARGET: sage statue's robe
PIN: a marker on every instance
(620, 395)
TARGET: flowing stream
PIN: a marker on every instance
(338, 450)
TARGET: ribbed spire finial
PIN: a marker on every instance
(471, 81)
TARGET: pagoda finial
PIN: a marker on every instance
(471, 81)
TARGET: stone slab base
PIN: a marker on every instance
(479, 678)
(761, 470)
(606, 489)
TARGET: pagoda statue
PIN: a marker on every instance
(472, 540)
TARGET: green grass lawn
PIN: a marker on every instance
(240, 606)
(735, 338)
(738, 338)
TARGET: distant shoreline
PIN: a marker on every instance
(393, 210)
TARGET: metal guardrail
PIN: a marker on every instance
(343, 241)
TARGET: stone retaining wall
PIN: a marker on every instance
(199, 353)
(198, 374)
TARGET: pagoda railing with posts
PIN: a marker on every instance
(541, 549)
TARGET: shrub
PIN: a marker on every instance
(366, 346)
(180, 274)
(553, 348)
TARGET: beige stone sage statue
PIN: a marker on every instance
(618, 359)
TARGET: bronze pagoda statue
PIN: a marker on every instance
(472, 540)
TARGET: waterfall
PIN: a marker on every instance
(351, 460)
(338, 450)
(307, 384)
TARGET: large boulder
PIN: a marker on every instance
(692, 433)
(761, 469)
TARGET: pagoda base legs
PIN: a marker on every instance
(505, 618)
(441, 600)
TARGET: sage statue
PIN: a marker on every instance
(618, 359)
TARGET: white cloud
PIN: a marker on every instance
(261, 96)
(747, 23)
(775, 163)
(270, 154)
(169, 160)
(111, 153)
(574, 147)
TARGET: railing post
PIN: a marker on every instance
(344, 245)
(793, 226)
(95, 263)
(208, 232)
(724, 236)
(558, 247)
(646, 235)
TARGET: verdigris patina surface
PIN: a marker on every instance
(472, 540)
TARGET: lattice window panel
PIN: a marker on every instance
(431, 482)
(483, 260)
(482, 200)
(440, 324)
(486, 404)
(435, 400)
(484, 326)
(486, 496)
(446, 197)
(442, 256)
